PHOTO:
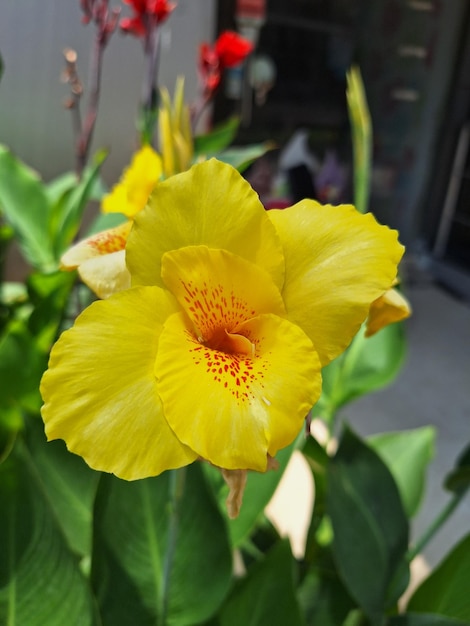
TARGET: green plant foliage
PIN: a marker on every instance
(266, 595)
(369, 364)
(369, 524)
(424, 619)
(69, 484)
(446, 590)
(68, 207)
(40, 581)
(153, 564)
(218, 139)
(242, 157)
(24, 204)
(407, 454)
(458, 481)
(323, 597)
(258, 492)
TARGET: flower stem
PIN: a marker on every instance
(176, 488)
(149, 88)
(435, 525)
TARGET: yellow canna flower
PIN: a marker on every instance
(216, 351)
(100, 258)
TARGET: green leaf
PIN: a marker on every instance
(69, 483)
(159, 559)
(369, 524)
(424, 619)
(258, 492)
(446, 590)
(323, 599)
(266, 595)
(218, 139)
(67, 211)
(318, 460)
(21, 366)
(407, 455)
(458, 480)
(24, 203)
(40, 581)
(242, 157)
(369, 363)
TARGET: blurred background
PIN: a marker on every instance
(414, 56)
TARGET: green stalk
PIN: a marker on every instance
(435, 525)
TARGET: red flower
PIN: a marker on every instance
(228, 51)
(148, 13)
(232, 49)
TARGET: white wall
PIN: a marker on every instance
(33, 122)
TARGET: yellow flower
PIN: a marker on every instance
(216, 351)
(100, 258)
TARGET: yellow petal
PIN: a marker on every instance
(233, 409)
(130, 195)
(100, 393)
(212, 205)
(389, 308)
(106, 274)
(337, 263)
(105, 242)
(218, 290)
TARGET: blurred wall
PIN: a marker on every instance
(33, 121)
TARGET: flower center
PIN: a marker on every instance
(223, 340)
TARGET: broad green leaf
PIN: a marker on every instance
(49, 293)
(69, 483)
(68, 210)
(324, 599)
(424, 619)
(218, 139)
(458, 480)
(369, 363)
(40, 581)
(369, 524)
(446, 590)
(407, 455)
(258, 492)
(24, 203)
(21, 366)
(157, 560)
(242, 157)
(266, 595)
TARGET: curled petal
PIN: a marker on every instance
(106, 275)
(100, 393)
(389, 308)
(337, 263)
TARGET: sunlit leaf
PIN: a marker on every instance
(25, 206)
(407, 455)
(367, 365)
